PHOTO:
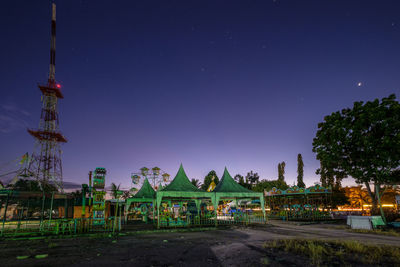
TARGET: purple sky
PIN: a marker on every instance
(209, 84)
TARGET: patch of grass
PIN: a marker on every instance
(52, 245)
(347, 252)
(340, 227)
(264, 261)
(41, 256)
(377, 232)
(31, 250)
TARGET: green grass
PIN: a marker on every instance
(320, 252)
(377, 232)
(52, 245)
(41, 256)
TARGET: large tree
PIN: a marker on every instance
(281, 171)
(362, 142)
(208, 179)
(300, 171)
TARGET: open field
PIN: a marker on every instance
(236, 246)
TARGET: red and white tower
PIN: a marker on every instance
(46, 158)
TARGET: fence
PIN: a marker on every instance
(304, 215)
(58, 227)
(211, 220)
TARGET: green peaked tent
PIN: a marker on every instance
(227, 184)
(181, 189)
(229, 189)
(146, 191)
(146, 194)
(181, 183)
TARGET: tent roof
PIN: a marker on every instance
(227, 185)
(181, 183)
(146, 191)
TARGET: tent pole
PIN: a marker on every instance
(263, 208)
(51, 207)
(42, 213)
(158, 215)
(5, 213)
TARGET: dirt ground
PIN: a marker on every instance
(236, 246)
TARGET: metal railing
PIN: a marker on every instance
(59, 226)
(211, 220)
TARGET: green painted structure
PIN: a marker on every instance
(297, 203)
(182, 190)
(229, 189)
(99, 196)
(145, 195)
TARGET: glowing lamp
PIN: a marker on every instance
(165, 177)
(144, 171)
(156, 170)
(135, 178)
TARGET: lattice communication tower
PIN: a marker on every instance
(46, 158)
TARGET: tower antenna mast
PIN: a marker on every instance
(52, 71)
(46, 158)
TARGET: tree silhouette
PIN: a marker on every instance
(300, 171)
(281, 171)
(252, 178)
(208, 179)
(239, 179)
(362, 142)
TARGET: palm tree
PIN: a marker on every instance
(114, 190)
(115, 195)
(196, 182)
(126, 195)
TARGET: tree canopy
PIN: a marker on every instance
(362, 142)
(268, 185)
(33, 185)
(115, 190)
(281, 171)
(300, 171)
(208, 179)
(252, 178)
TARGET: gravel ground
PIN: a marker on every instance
(236, 246)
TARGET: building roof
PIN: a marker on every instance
(146, 191)
(181, 183)
(228, 185)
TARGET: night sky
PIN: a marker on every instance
(209, 84)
